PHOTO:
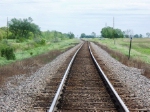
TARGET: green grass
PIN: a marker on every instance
(23, 50)
(140, 47)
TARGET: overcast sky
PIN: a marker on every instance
(80, 16)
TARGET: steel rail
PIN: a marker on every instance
(120, 105)
(59, 91)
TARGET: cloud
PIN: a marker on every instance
(65, 14)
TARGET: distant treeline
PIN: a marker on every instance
(26, 29)
(93, 35)
(110, 32)
(86, 36)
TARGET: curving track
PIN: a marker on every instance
(84, 89)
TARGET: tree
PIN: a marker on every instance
(3, 32)
(129, 33)
(136, 36)
(93, 34)
(141, 36)
(118, 33)
(148, 34)
(109, 32)
(54, 35)
(14, 26)
(1, 36)
(71, 35)
(123, 33)
(35, 29)
(22, 28)
(83, 35)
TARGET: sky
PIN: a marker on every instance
(80, 16)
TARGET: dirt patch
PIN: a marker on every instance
(27, 66)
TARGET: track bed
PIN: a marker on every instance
(84, 89)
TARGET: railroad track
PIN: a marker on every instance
(134, 103)
(84, 87)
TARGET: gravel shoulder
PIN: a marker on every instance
(15, 95)
(131, 77)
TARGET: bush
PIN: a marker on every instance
(8, 53)
(31, 53)
(1, 36)
(40, 41)
(20, 40)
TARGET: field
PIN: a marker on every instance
(26, 63)
(140, 51)
(140, 47)
(29, 48)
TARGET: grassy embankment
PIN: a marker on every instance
(29, 48)
(140, 47)
(140, 51)
(26, 63)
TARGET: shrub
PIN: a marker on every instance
(20, 40)
(8, 53)
(40, 41)
(31, 53)
(1, 36)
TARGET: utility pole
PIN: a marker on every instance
(113, 30)
(113, 22)
(105, 24)
(7, 27)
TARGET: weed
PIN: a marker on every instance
(8, 53)
(31, 53)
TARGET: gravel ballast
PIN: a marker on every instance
(15, 95)
(131, 77)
